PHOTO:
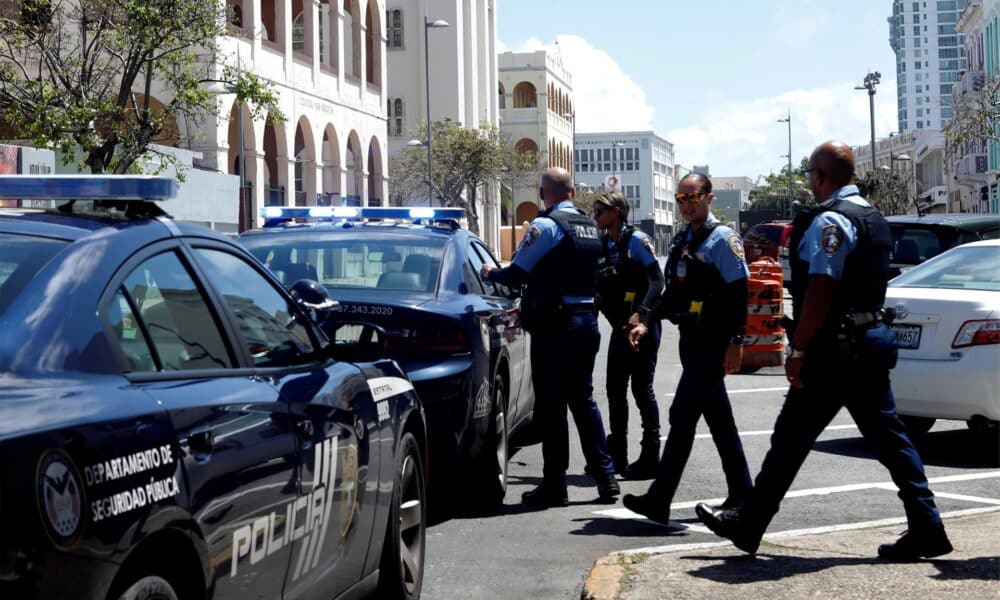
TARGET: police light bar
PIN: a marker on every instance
(275, 215)
(87, 187)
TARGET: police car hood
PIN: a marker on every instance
(381, 297)
(33, 404)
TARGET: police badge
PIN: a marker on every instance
(736, 245)
(832, 239)
(530, 236)
(60, 498)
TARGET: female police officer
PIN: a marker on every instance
(706, 296)
(629, 283)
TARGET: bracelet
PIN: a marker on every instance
(796, 353)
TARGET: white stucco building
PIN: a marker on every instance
(462, 75)
(643, 165)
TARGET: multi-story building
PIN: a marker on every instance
(896, 153)
(732, 195)
(462, 75)
(537, 113)
(641, 165)
(991, 66)
(969, 181)
(930, 177)
(929, 60)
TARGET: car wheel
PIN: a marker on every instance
(401, 571)
(985, 430)
(150, 587)
(493, 465)
(917, 425)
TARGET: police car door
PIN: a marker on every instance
(236, 443)
(327, 526)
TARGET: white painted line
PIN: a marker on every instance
(979, 499)
(705, 436)
(746, 391)
(801, 532)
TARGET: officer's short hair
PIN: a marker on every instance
(706, 183)
(614, 200)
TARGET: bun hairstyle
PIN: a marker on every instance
(706, 183)
(614, 200)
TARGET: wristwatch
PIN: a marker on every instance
(737, 340)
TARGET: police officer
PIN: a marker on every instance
(629, 283)
(842, 351)
(706, 296)
(557, 264)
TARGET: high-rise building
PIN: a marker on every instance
(991, 65)
(930, 57)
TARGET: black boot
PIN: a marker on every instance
(648, 461)
(618, 448)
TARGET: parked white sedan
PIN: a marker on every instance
(948, 329)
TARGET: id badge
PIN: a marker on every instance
(629, 296)
(696, 307)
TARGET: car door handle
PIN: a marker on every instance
(202, 442)
(305, 430)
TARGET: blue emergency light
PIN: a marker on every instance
(276, 215)
(87, 187)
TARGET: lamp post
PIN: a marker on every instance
(788, 120)
(614, 145)
(871, 80)
(230, 87)
(428, 25)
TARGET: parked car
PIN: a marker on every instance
(769, 240)
(919, 238)
(948, 328)
(173, 423)
(415, 272)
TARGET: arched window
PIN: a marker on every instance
(395, 116)
(236, 16)
(394, 22)
(526, 146)
(503, 97)
(299, 33)
(525, 95)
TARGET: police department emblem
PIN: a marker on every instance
(349, 488)
(530, 236)
(833, 239)
(60, 498)
(736, 245)
(648, 244)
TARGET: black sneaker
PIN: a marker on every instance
(608, 488)
(647, 507)
(913, 546)
(547, 495)
(727, 523)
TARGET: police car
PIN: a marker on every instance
(173, 424)
(415, 272)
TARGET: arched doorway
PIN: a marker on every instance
(375, 179)
(354, 164)
(331, 166)
(305, 164)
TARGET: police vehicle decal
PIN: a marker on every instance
(134, 497)
(349, 472)
(383, 388)
(60, 498)
(305, 517)
(482, 405)
(833, 237)
(736, 245)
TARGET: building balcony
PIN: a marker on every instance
(971, 81)
(972, 166)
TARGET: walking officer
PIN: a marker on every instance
(842, 351)
(628, 284)
(706, 296)
(557, 264)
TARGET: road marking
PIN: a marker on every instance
(747, 391)
(702, 436)
(801, 532)
(978, 499)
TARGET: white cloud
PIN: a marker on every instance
(606, 98)
(744, 138)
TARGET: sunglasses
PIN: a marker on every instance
(693, 197)
(600, 210)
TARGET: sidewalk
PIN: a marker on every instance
(840, 564)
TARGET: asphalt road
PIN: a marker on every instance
(521, 552)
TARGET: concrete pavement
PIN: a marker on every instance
(835, 563)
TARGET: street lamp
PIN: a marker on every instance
(230, 88)
(871, 80)
(788, 120)
(428, 25)
(613, 146)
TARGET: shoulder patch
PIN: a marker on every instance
(530, 236)
(647, 243)
(736, 246)
(832, 238)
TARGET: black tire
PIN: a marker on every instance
(917, 426)
(985, 431)
(492, 467)
(401, 570)
(150, 587)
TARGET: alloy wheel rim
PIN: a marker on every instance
(411, 525)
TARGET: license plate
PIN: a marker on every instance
(907, 336)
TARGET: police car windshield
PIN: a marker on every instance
(21, 257)
(962, 268)
(390, 262)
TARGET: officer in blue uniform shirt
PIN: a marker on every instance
(706, 296)
(557, 265)
(629, 283)
(842, 351)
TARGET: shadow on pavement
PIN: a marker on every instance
(634, 528)
(769, 567)
(957, 448)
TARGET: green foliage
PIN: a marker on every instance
(888, 191)
(465, 160)
(82, 74)
(976, 120)
(774, 192)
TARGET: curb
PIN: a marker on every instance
(604, 581)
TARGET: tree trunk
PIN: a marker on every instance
(471, 212)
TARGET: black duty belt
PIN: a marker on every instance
(574, 309)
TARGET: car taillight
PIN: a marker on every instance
(977, 333)
(427, 341)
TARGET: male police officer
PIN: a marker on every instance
(706, 295)
(842, 351)
(628, 284)
(557, 262)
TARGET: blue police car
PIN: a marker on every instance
(415, 272)
(173, 424)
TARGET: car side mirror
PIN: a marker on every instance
(311, 295)
(352, 341)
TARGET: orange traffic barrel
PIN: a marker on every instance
(764, 341)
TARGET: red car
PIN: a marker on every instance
(771, 240)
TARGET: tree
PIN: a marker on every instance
(465, 161)
(976, 120)
(82, 74)
(887, 190)
(773, 193)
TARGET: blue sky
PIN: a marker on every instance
(713, 77)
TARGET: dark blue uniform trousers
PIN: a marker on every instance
(562, 364)
(831, 383)
(624, 364)
(701, 391)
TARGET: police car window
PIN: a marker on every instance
(131, 339)
(180, 325)
(22, 256)
(471, 277)
(272, 327)
(484, 257)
